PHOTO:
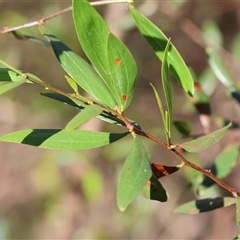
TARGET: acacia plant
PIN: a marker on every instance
(110, 81)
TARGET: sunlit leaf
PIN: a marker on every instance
(134, 175)
(154, 190)
(84, 116)
(205, 141)
(158, 42)
(205, 205)
(62, 139)
(80, 71)
(219, 69)
(109, 56)
(72, 84)
(5, 87)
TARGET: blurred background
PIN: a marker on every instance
(47, 194)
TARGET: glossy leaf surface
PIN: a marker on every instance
(205, 205)
(158, 41)
(62, 139)
(205, 141)
(134, 175)
(109, 55)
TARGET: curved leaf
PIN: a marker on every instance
(205, 205)
(205, 141)
(135, 173)
(62, 139)
(109, 55)
(219, 69)
(158, 42)
(79, 70)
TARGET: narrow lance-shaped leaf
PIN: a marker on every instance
(135, 173)
(84, 116)
(167, 86)
(158, 42)
(109, 55)
(80, 71)
(219, 69)
(62, 139)
(205, 141)
(205, 205)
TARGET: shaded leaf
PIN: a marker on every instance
(80, 71)
(23, 36)
(183, 127)
(154, 190)
(109, 56)
(160, 170)
(219, 69)
(158, 42)
(62, 139)
(205, 141)
(134, 175)
(84, 116)
(205, 205)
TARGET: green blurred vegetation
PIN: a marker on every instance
(71, 195)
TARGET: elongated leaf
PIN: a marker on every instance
(167, 84)
(110, 57)
(9, 86)
(62, 139)
(79, 70)
(205, 205)
(23, 36)
(204, 142)
(219, 69)
(135, 173)
(223, 164)
(84, 116)
(154, 190)
(183, 127)
(238, 213)
(103, 116)
(158, 42)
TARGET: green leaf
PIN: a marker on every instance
(212, 34)
(219, 69)
(154, 190)
(158, 42)
(84, 116)
(222, 166)
(166, 81)
(183, 127)
(72, 84)
(104, 116)
(109, 55)
(24, 36)
(80, 71)
(62, 139)
(135, 173)
(238, 213)
(9, 86)
(205, 205)
(205, 141)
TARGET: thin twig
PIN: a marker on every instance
(65, 10)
